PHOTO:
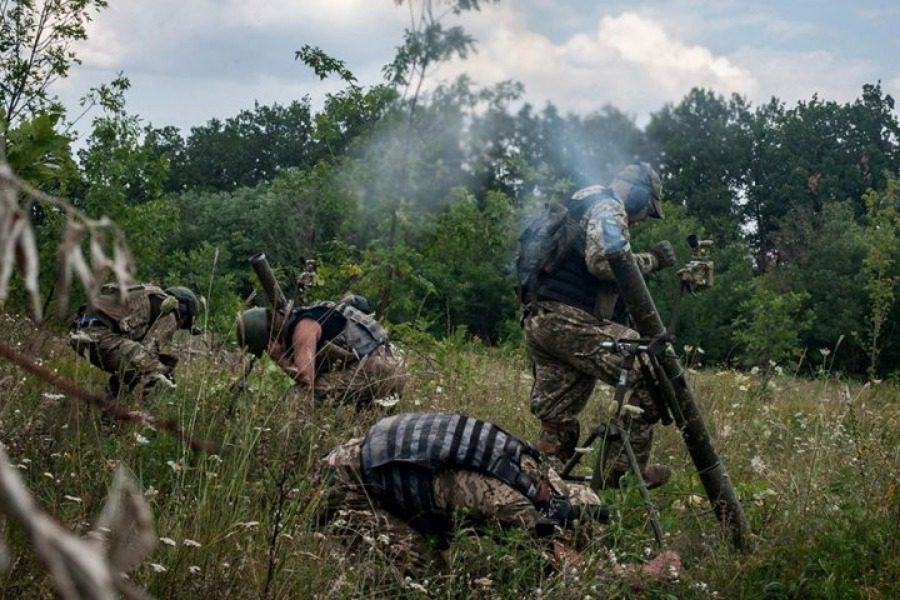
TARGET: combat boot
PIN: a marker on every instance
(558, 439)
(654, 476)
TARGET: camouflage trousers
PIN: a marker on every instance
(127, 361)
(378, 375)
(369, 530)
(564, 343)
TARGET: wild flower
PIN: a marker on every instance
(194, 570)
(168, 541)
(191, 543)
(158, 567)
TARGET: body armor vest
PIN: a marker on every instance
(571, 282)
(131, 316)
(362, 334)
(401, 454)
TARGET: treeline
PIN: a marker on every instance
(417, 200)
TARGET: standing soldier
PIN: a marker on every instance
(572, 305)
(124, 333)
(307, 280)
(338, 350)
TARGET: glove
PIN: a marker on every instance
(169, 304)
(664, 253)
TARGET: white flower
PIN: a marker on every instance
(191, 543)
(754, 371)
(415, 586)
(140, 439)
(52, 397)
(73, 498)
(158, 567)
(757, 464)
(634, 411)
(168, 541)
(388, 401)
(194, 570)
(824, 351)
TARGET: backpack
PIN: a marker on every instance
(542, 245)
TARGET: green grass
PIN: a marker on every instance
(816, 463)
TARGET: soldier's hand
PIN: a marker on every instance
(169, 304)
(664, 253)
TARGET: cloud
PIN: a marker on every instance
(793, 76)
(628, 60)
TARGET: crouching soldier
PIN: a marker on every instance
(397, 494)
(125, 333)
(337, 350)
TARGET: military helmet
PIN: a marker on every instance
(358, 302)
(188, 306)
(644, 189)
(252, 330)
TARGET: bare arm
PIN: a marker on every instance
(300, 364)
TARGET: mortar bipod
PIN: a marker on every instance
(614, 430)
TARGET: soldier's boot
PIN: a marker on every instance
(559, 440)
(640, 436)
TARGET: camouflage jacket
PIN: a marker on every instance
(134, 316)
(605, 216)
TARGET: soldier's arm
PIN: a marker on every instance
(160, 333)
(305, 340)
(604, 222)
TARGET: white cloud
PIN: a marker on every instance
(793, 76)
(628, 60)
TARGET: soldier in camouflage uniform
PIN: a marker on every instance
(576, 306)
(337, 350)
(414, 475)
(124, 333)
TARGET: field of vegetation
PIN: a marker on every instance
(815, 460)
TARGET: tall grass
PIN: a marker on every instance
(816, 463)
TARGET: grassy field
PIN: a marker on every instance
(816, 462)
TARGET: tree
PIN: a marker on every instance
(704, 148)
(882, 238)
(244, 150)
(36, 38)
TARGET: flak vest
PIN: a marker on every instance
(401, 454)
(571, 282)
(361, 335)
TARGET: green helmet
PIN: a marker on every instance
(644, 189)
(252, 330)
(188, 307)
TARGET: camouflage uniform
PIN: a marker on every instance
(123, 338)
(347, 380)
(564, 343)
(365, 527)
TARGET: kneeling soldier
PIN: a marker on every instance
(124, 333)
(338, 350)
(413, 474)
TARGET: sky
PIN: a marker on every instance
(193, 60)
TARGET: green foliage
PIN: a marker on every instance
(704, 148)
(882, 240)
(39, 153)
(36, 49)
(241, 151)
(821, 252)
(769, 325)
(201, 269)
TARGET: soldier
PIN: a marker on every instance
(307, 279)
(338, 350)
(414, 476)
(411, 473)
(574, 306)
(124, 334)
